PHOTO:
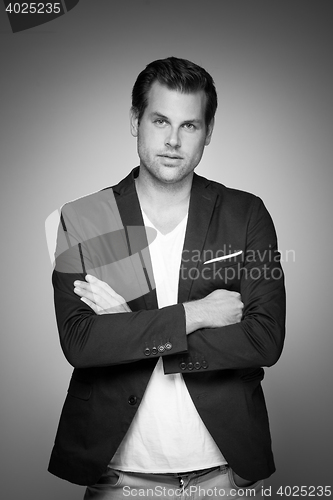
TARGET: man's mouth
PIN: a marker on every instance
(172, 157)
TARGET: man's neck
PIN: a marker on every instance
(164, 204)
(159, 195)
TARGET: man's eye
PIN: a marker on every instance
(160, 121)
(189, 126)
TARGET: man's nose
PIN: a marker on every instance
(173, 139)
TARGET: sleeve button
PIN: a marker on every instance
(147, 351)
(190, 365)
(182, 366)
(197, 365)
(154, 350)
(132, 400)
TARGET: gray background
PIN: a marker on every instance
(65, 96)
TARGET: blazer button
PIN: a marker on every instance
(197, 365)
(147, 351)
(204, 364)
(168, 346)
(132, 400)
(154, 350)
(161, 348)
(190, 365)
(182, 366)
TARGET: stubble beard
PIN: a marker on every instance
(167, 176)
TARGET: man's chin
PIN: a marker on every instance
(168, 174)
(172, 176)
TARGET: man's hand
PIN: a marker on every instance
(100, 296)
(219, 308)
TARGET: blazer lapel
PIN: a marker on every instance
(131, 216)
(202, 203)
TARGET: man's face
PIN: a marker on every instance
(172, 134)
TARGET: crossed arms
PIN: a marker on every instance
(232, 329)
(219, 308)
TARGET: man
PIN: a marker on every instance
(165, 396)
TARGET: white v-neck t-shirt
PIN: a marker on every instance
(167, 433)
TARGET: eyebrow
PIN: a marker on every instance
(163, 117)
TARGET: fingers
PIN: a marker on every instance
(100, 296)
(119, 308)
(95, 294)
(87, 292)
(95, 281)
(96, 287)
(104, 286)
(91, 304)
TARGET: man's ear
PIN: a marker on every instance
(134, 120)
(210, 129)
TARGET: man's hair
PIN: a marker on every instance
(176, 74)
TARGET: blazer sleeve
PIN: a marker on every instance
(258, 339)
(91, 340)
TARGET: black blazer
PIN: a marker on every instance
(114, 355)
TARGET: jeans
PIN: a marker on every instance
(218, 483)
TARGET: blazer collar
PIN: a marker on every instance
(127, 201)
(131, 216)
(202, 203)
